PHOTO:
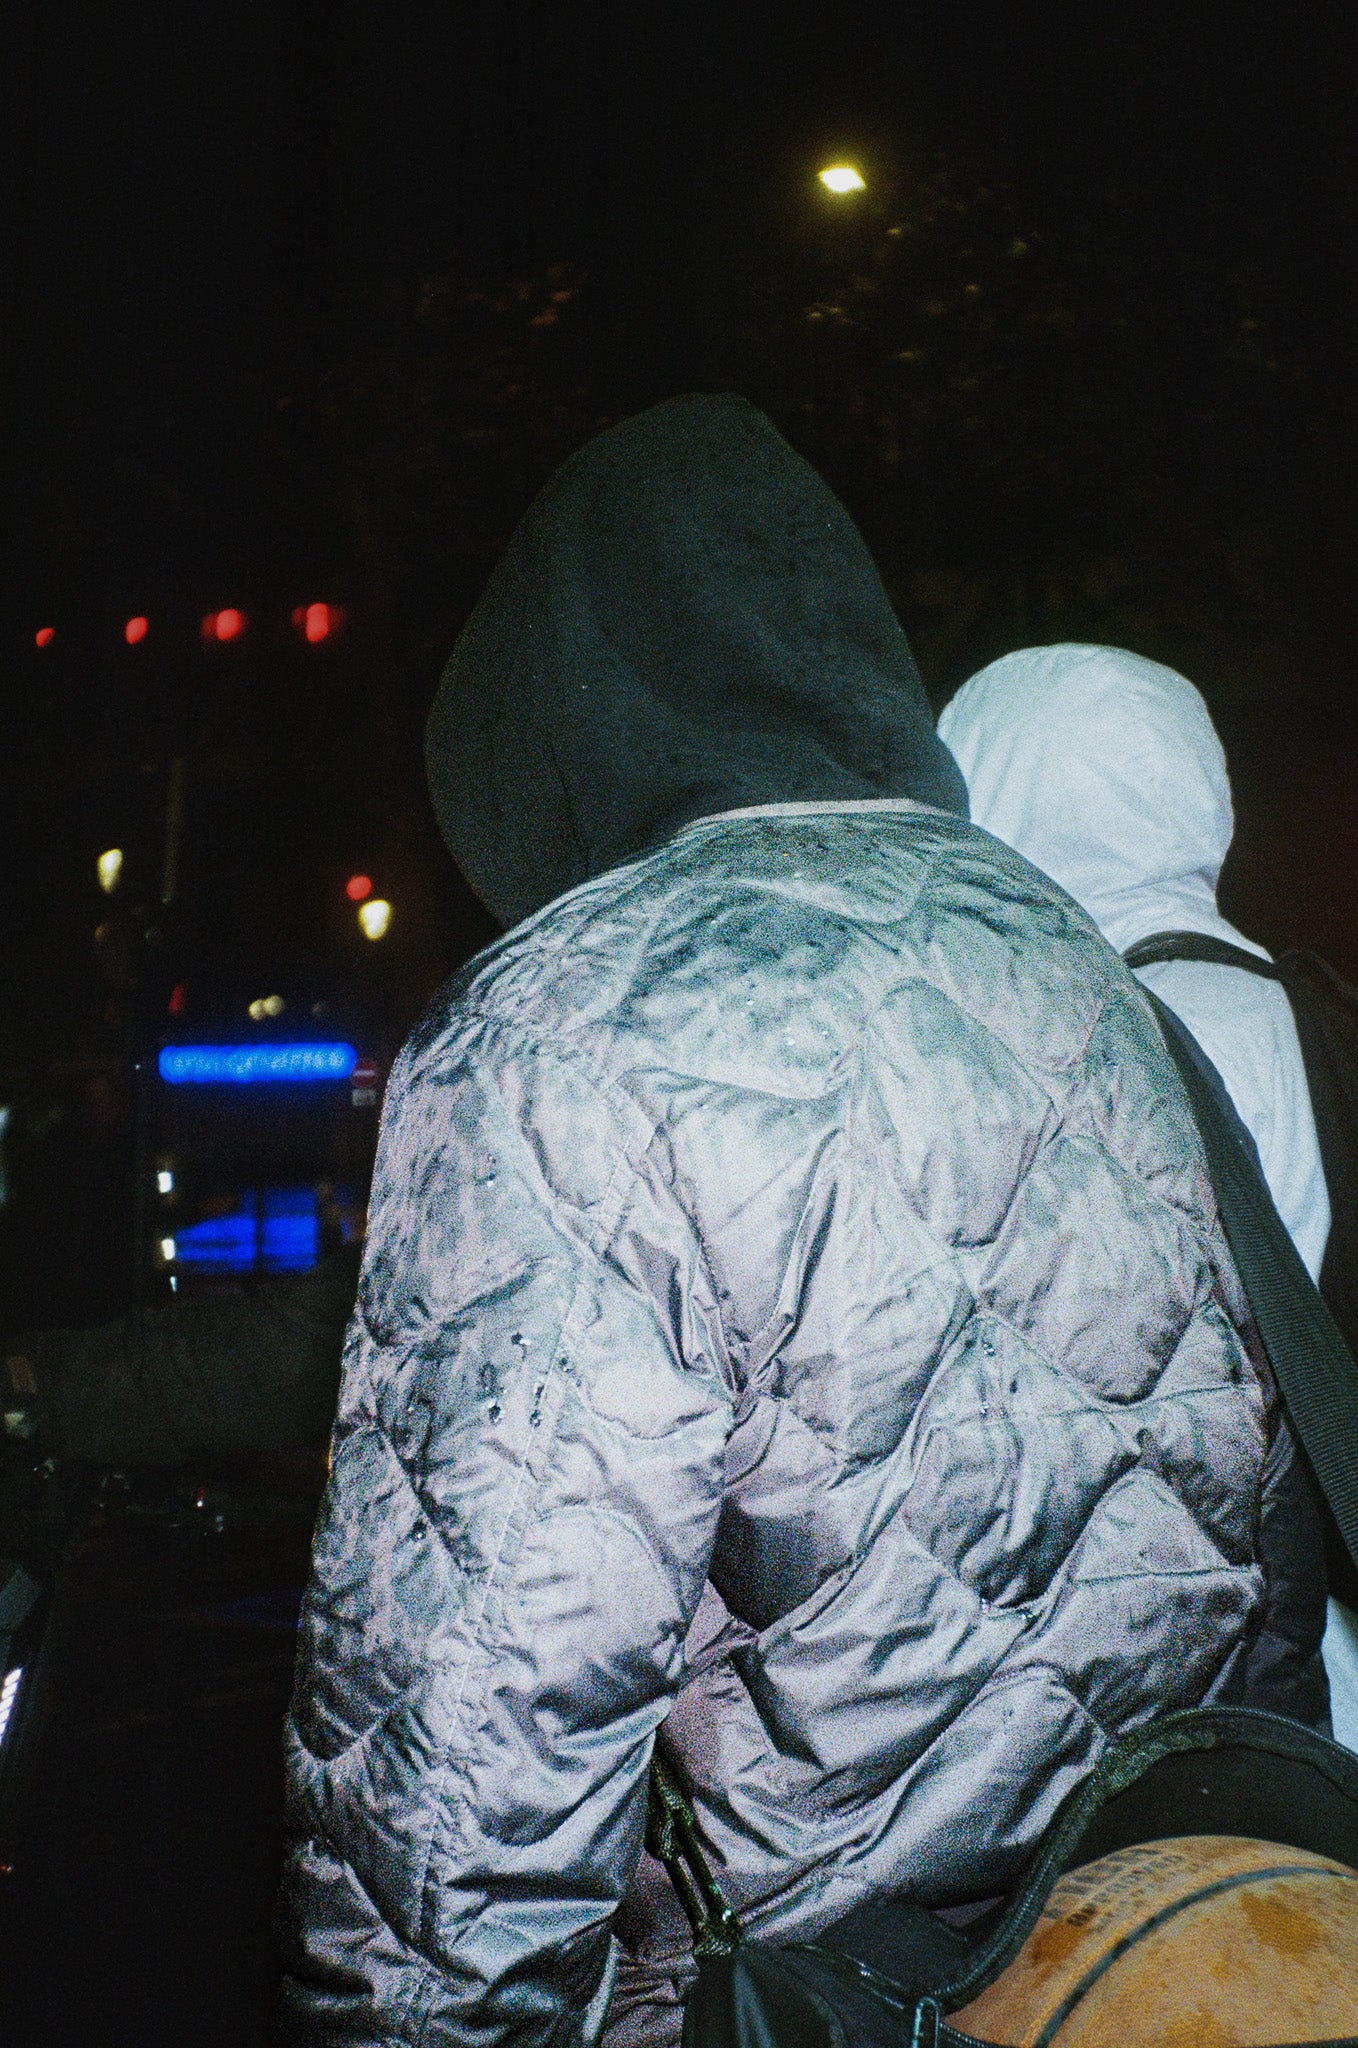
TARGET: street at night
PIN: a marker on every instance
(877, 486)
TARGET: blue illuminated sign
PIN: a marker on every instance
(272, 1230)
(245, 1066)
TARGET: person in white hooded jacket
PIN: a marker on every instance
(1105, 770)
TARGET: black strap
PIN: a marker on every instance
(672, 1838)
(1162, 946)
(1312, 1364)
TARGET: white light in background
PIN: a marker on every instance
(841, 178)
(164, 1181)
(167, 1250)
(375, 917)
(110, 869)
(9, 1693)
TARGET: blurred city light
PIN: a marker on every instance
(9, 1693)
(375, 917)
(841, 178)
(164, 1181)
(44, 636)
(109, 868)
(240, 1066)
(167, 1250)
(135, 630)
(224, 625)
(266, 1006)
(272, 1230)
(317, 622)
(357, 887)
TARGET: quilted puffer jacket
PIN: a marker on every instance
(794, 1312)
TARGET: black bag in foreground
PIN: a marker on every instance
(889, 1973)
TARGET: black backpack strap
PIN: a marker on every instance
(1326, 1011)
(1161, 946)
(1312, 1364)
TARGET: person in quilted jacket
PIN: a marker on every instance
(794, 1320)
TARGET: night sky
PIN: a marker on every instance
(210, 203)
(304, 302)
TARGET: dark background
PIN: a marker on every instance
(302, 302)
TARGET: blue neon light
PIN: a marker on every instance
(273, 1230)
(245, 1066)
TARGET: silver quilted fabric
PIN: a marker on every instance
(794, 1307)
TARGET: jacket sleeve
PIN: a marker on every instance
(525, 1482)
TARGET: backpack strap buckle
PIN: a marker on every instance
(925, 2033)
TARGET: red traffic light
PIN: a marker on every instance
(358, 888)
(316, 622)
(44, 636)
(225, 625)
(135, 630)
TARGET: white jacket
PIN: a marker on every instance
(1105, 770)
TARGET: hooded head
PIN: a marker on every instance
(686, 621)
(1104, 770)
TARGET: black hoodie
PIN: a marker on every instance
(686, 621)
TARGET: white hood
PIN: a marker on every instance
(1104, 770)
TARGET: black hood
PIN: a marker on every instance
(685, 621)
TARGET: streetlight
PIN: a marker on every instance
(374, 917)
(841, 179)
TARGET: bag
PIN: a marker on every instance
(1326, 1011)
(890, 1972)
